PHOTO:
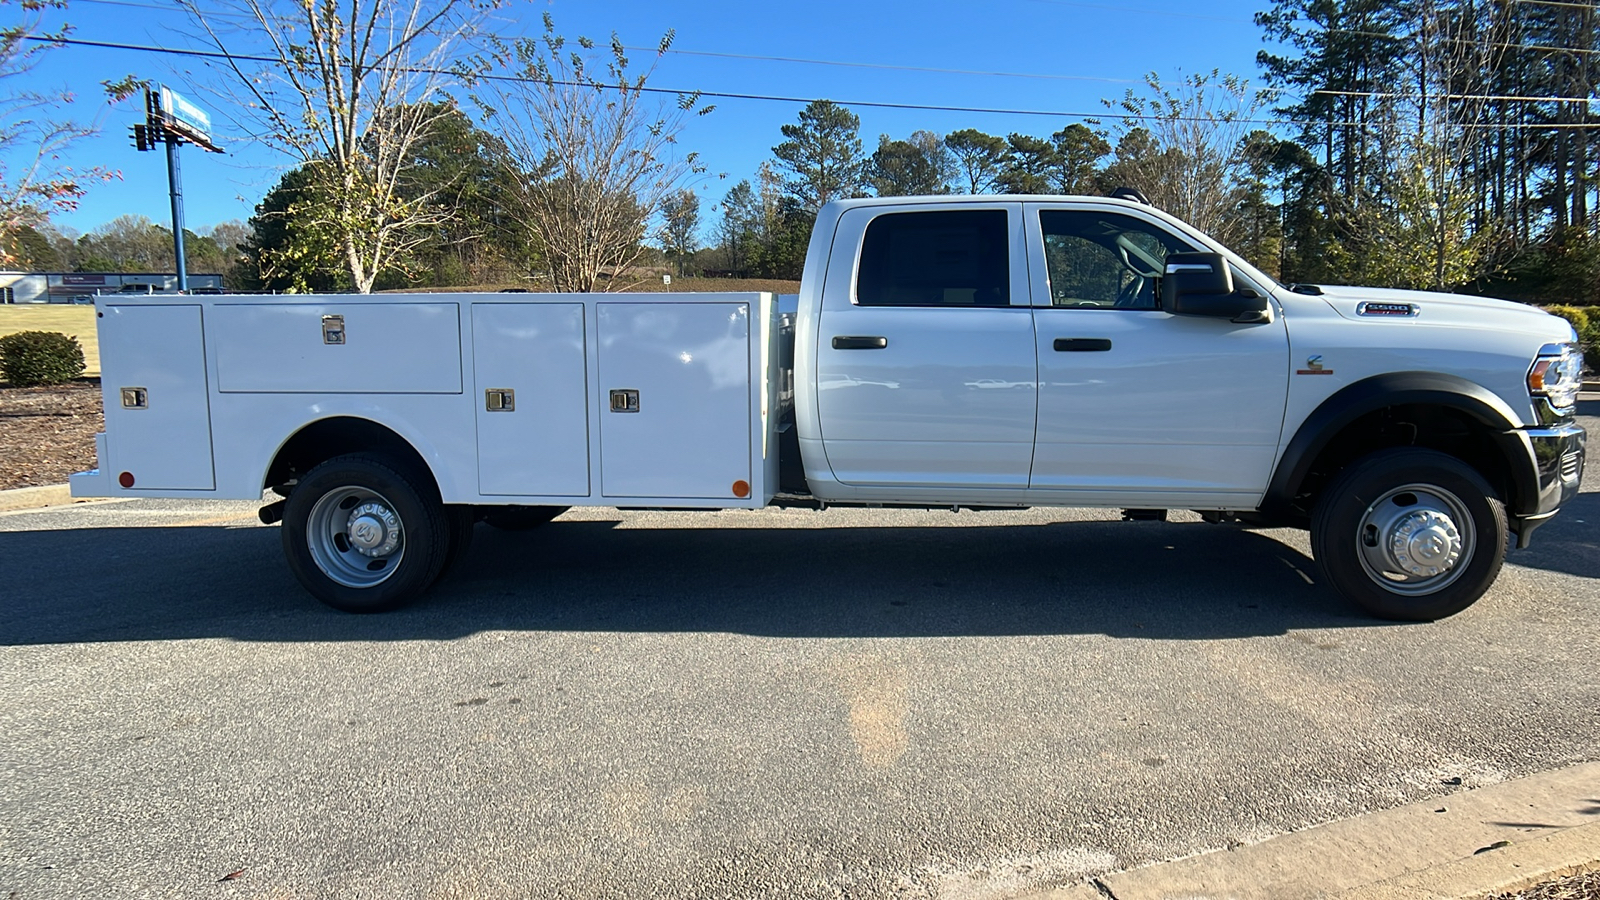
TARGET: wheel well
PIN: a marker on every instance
(326, 438)
(1430, 426)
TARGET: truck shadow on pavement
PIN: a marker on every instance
(1568, 543)
(1155, 581)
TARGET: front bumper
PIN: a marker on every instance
(1557, 453)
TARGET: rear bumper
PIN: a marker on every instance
(1557, 455)
(95, 482)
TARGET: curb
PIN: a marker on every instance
(1465, 846)
(35, 497)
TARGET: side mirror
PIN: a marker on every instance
(1201, 284)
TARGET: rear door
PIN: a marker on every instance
(925, 355)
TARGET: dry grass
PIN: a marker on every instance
(76, 321)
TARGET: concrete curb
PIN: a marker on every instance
(35, 497)
(1465, 846)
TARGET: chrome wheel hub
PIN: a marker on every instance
(1425, 543)
(355, 536)
(1415, 539)
(373, 529)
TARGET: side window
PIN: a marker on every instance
(953, 258)
(1098, 260)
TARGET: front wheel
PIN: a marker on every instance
(1409, 534)
(364, 535)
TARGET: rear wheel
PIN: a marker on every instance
(363, 534)
(1410, 534)
(521, 518)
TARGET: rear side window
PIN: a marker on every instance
(956, 258)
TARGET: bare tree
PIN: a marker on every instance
(1419, 221)
(1182, 146)
(592, 155)
(33, 182)
(349, 94)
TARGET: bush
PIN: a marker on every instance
(28, 358)
(1586, 322)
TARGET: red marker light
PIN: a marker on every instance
(125, 479)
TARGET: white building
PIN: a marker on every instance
(82, 287)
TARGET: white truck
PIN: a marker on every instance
(945, 352)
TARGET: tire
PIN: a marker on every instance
(461, 520)
(1409, 534)
(364, 534)
(521, 518)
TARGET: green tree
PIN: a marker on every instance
(979, 157)
(30, 250)
(823, 155)
(740, 228)
(680, 215)
(288, 249)
(918, 166)
(350, 90)
(1029, 164)
(1078, 152)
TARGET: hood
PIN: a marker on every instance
(1436, 308)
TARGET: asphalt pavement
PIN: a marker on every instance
(783, 703)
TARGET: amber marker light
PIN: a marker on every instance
(741, 489)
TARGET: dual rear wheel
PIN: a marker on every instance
(364, 533)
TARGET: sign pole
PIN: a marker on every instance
(172, 120)
(175, 185)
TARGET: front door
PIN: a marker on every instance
(925, 349)
(1133, 399)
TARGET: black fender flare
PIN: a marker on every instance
(1406, 389)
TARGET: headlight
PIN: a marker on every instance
(1557, 375)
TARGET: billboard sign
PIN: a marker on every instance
(185, 118)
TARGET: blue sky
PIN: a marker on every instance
(1090, 50)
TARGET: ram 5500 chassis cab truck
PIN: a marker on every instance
(983, 352)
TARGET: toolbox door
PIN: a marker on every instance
(153, 380)
(675, 399)
(528, 363)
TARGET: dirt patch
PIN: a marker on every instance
(47, 433)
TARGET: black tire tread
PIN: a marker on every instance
(1345, 492)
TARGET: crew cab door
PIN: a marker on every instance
(1133, 399)
(925, 348)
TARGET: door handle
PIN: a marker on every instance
(858, 342)
(1075, 345)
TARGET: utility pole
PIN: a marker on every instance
(173, 121)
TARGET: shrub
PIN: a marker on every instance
(1586, 322)
(28, 358)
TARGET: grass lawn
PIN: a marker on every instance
(76, 321)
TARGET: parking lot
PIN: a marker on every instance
(782, 703)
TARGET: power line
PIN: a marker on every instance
(728, 95)
(889, 66)
(722, 95)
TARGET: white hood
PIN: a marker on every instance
(1435, 308)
